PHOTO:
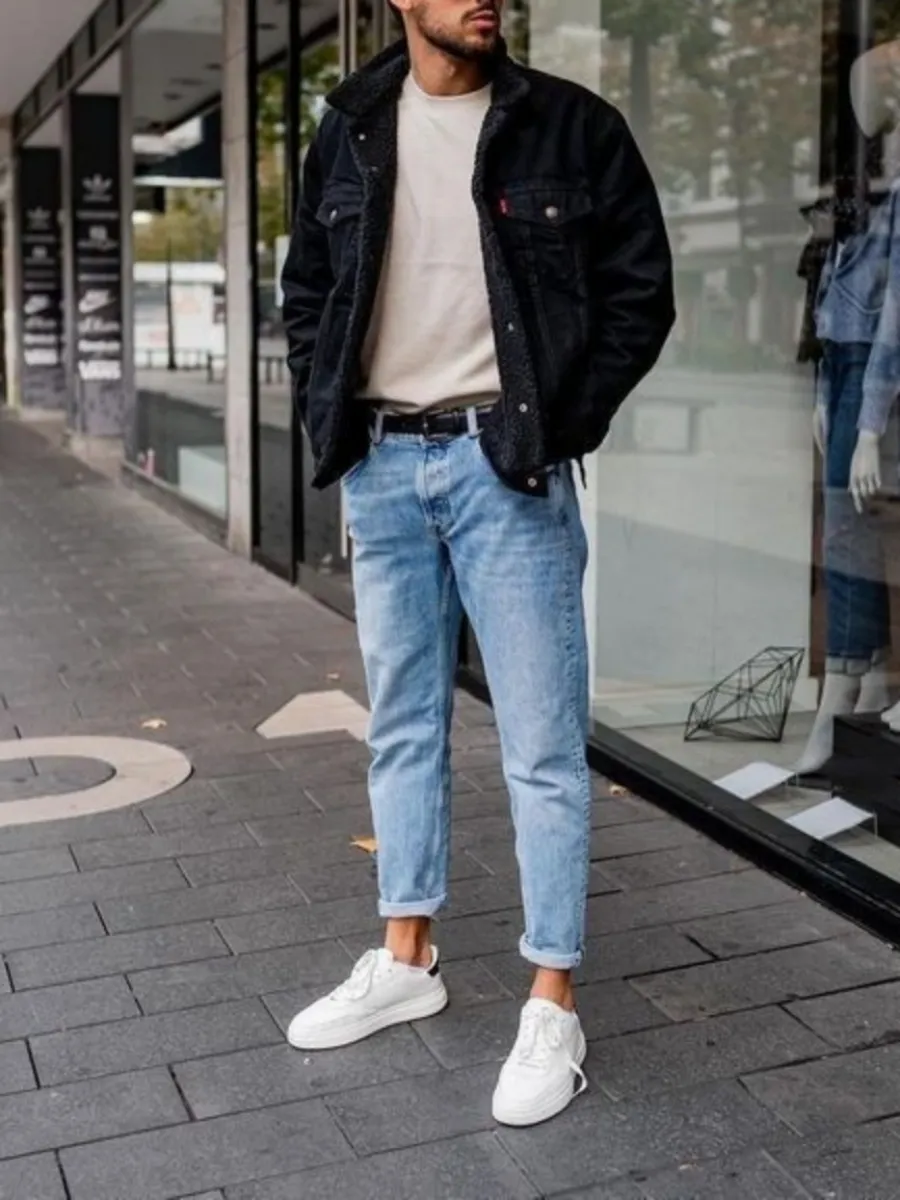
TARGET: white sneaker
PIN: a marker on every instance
(380, 992)
(543, 1074)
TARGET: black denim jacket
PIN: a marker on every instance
(576, 256)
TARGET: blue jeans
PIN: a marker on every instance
(434, 533)
(857, 596)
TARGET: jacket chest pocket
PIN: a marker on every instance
(339, 212)
(549, 226)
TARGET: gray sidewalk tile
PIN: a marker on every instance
(856, 1019)
(679, 902)
(69, 1006)
(86, 1112)
(122, 822)
(848, 1089)
(36, 1178)
(773, 978)
(695, 860)
(596, 1143)
(89, 885)
(35, 864)
(16, 1074)
(754, 1176)
(121, 852)
(188, 1158)
(152, 1041)
(221, 900)
(301, 923)
(857, 1164)
(641, 837)
(114, 954)
(658, 1060)
(415, 1111)
(610, 956)
(164, 989)
(773, 927)
(469, 1168)
(230, 1083)
(47, 928)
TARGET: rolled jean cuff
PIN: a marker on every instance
(841, 665)
(412, 908)
(548, 960)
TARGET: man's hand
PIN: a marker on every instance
(865, 470)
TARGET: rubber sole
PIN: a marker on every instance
(349, 1033)
(551, 1105)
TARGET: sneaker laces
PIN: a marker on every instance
(359, 982)
(540, 1038)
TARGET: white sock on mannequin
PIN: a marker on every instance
(839, 696)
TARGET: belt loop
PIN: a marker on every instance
(378, 434)
(472, 421)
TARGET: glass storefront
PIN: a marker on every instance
(179, 271)
(739, 597)
(734, 591)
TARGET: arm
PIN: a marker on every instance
(881, 382)
(306, 280)
(632, 270)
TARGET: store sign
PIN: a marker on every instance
(97, 238)
(40, 200)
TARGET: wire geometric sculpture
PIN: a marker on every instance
(752, 703)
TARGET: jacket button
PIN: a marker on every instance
(511, 327)
(523, 408)
(361, 137)
(333, 215)
(532, 482)
(551, 212)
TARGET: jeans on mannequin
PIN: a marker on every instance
(857, 601)
(858, 607)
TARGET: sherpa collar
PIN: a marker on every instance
(380, 81)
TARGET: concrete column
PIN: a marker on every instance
(126, 166)
(9, 312)
(237, 167)
(94, 300)
(36, 334)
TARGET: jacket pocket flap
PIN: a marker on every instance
(339, 205)
(546, 204)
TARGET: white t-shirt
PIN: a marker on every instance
(430, 342)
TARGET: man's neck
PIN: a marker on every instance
(440, 74)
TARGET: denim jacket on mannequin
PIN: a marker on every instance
(859, 301)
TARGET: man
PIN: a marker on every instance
(478, 277)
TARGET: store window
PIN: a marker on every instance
(179, 273)
(741, 600)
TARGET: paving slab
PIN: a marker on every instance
(774, 978)
(178, 1161)
(32, 1178)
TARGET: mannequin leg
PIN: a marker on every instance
(839, 696)
(858, 610)
(874, 695)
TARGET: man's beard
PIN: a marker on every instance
(456, 46)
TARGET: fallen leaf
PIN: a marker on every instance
(616, 789)
(365, 843)
(153, 723)
(333, 676)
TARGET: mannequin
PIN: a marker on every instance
(858, 323)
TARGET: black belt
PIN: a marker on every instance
(449, 423)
